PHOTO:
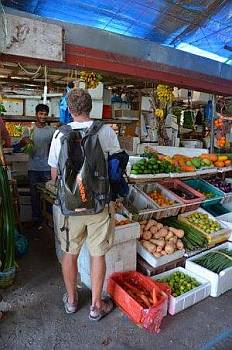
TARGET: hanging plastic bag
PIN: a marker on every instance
(65, 116)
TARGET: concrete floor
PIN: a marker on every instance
(38, 321)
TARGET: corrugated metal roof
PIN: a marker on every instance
(185, 24)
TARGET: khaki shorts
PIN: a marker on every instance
(97, 230)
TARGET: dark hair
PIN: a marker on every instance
(42, 108)
(79, 102)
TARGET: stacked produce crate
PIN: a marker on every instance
(181, 224)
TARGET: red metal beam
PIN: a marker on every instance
(82, 57)
(110, 62)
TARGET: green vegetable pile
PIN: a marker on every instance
(203, 222)
(192, 239)
(7, 223)
(153, 166)
(216, 261)
(180, 283)
(208, 195)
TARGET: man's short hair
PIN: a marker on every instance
(42, 108)
(79, 102)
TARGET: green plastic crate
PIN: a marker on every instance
(203, 186)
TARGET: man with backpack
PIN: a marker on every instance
(79, 161)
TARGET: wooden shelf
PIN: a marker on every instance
(119, 121)
(21, 118)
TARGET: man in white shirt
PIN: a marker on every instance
(96, 228)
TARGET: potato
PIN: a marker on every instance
(153, 230)
(159, 249)
(159, 226)
(157, 255)
(179, 244)
(162, 232)
(169, 248)
(163, 252)
(146, 235)
(150, 224)
(168, 236)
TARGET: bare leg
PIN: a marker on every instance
(98, 272)
(69, 268)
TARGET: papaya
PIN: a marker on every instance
(204, 156)
(219, 164)
(227, 162)
(187, 168)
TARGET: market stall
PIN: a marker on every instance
(170, 223)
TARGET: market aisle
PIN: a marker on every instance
(38, 321)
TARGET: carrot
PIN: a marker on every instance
(145, 300)
(154, 296)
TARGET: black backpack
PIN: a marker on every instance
(83, 182)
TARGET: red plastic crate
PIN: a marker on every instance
(191, 204)
(149, 318)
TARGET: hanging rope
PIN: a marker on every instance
(33, 74)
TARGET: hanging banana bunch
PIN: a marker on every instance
(165, 94)
(159, 113)
(91, 79)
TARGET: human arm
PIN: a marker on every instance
(54, 155)
(54, 173)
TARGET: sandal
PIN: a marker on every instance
(69, 308)
(97, 314)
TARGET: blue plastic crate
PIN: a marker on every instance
(204, 187)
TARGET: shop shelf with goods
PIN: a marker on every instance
(197, 288)
(220, 282)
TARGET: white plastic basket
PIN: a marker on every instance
(226, 220)
(220, 283)
(182, 302)
(155, 262)
(163, 212)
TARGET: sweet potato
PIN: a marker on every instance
(158, 242)
(149, 246)
(179, 233)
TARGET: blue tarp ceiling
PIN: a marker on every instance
(203, 27)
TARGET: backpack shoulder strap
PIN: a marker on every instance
(65, 130)
(94, 128)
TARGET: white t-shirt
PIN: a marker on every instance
(107, 137)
